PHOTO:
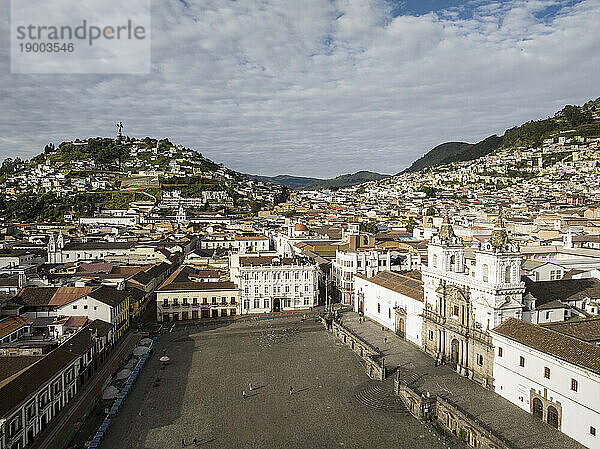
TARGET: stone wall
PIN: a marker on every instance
(374, 363)
(448, 417)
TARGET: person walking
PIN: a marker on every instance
(291, 390)
(250, 386)
(182, 442)
(195, 441)
(244, 394)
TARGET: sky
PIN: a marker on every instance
(320, 87)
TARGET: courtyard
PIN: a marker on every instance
(199, 395)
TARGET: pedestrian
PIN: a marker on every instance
(291, 390)
(195, 441)
(250, 386)
(182, 442)
(244, 394)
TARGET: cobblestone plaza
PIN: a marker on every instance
(199, 395)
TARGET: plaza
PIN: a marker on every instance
(199, 395)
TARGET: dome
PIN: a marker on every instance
(300, 227)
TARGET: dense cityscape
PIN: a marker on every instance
(466, 280)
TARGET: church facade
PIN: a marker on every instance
(464, 301)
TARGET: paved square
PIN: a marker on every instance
(200, 393)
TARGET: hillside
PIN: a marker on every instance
(82, 177)
(304, 183)
(570, 121)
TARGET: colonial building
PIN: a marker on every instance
(394, 301)
(463, 302)
(273, 283)
(348, 263)
(182, 298)
(552, 375)
(60, 251)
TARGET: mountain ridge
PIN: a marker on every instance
(307, 183)
(572, 119)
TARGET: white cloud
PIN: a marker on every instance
(320, 87)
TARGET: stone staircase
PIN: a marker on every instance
(380, 396)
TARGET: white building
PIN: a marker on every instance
(464, 301)
(553, 376)
(60, 251)
(272, 283)
(368, 262)
(393, 300)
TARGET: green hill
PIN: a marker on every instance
(570, 121)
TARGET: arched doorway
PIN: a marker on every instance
(454, 348)
(401, 327)
(538, 408)
(553, 417)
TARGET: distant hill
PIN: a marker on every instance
(570, 121)
(304, 183)
(293, 182)
(438, 155)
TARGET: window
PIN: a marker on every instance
(592, 431)
(378, 308)
(431, 335)
(573, 384)
(485, 271)
(434, 261)
(233, 300)
(547, 372)
(507, 275)
(214, 300)
(480, 359)
(74, 307)
(455, 310)
(256, 303)
(521, 361)
(85, 306)
(499, 351)
(389, 313)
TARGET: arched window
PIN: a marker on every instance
(435, 261)
(452, 260)
(553, 417)
(485, 271)
(538, 408)
(507, 275)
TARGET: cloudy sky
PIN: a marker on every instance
(320, 87)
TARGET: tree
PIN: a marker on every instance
(574, 115)
(368, 227)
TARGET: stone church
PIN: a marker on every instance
(466, 298)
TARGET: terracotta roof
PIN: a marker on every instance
(198, 286)
(18, 389)
(11, 324)
(564, 347)
(252, 237)
(36, 296)
(65, 295)
(95, 268)
(585, 329)
(405, 285)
